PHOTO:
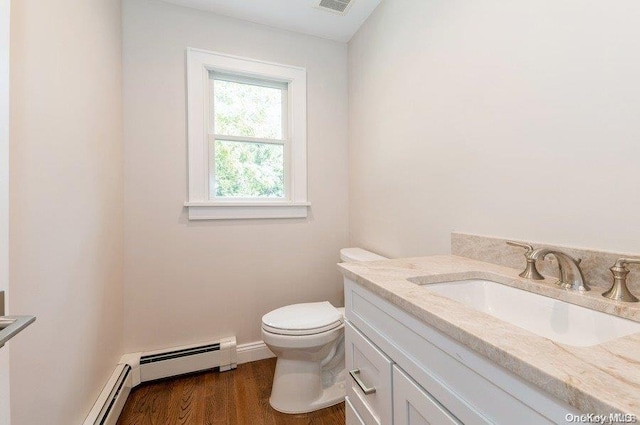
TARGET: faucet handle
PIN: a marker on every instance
(530, 271)
(528, 247)
(619, 290)
(622, 262)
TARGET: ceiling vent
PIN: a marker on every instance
(340, 7)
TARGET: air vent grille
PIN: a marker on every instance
(336, 6)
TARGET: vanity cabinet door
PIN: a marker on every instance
(369, 383)
(412, 405)
(351, 415)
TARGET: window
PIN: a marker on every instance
(247, 138)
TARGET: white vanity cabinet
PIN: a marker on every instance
(412, 405)
(422, 376)
(352, 417)
(369, 383)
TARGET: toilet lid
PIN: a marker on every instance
(303, 319)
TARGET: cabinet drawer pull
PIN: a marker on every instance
(355, 374)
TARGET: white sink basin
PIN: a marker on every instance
(557, 320)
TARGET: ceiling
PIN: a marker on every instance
(294, 15)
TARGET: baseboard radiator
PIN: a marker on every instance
(142, 367)
(186, 359)
(108, 407)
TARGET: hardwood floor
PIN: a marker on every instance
(213, 398)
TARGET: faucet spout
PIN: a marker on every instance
(570, 273)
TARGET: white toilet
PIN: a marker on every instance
(308, 340)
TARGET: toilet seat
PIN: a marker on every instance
(301, 332)
(303, 319)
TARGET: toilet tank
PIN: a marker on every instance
(350, 255)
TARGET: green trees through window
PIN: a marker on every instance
(247, 168)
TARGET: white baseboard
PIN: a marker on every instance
(253, 351)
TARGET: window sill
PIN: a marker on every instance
(246, 210)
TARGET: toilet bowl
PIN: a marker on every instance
(308, 341)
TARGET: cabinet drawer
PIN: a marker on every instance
(350, 413)
(412, 405)
(372, 368)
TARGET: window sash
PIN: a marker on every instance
(212, 168)
(212, 136)
(243, 79)
(282, 86)
(248, 139)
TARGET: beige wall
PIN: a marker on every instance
(516, 119)
(66, 205)
(193, 281)
(5, 411)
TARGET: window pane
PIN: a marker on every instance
(247, 110)
(247, 170)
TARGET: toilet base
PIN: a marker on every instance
(303, 386)
(330, 397)
(310, 370)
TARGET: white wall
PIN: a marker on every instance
(193, 281)
(5, 408)
(515, 119)
(66, 201)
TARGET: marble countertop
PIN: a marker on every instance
(599, 379)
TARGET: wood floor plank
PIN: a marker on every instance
(247, 398)
(216, 400)
(147, 405)
(262, 374)
(239, 397)
(199, 403)
(232, 418)
(183, 400)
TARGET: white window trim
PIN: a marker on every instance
(199, 64)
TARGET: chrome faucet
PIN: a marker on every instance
(570, 273)
(619, 290)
